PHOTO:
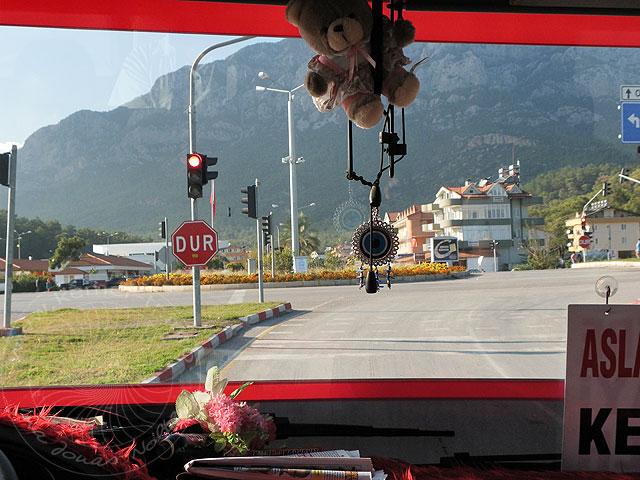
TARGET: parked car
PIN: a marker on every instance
(100, 284)
(77, 283)
(115, 281)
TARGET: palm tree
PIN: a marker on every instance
(307, 238)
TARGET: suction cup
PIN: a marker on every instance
(606, 286)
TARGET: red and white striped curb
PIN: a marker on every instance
(260, 316)
(192, 358)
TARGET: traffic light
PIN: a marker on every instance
(198, 173)
(583, 223)
(4, 168)
(163, 229)
(250, 200)
(266, 224)
(494, 244)
(195, 179)
(206, 174)
(605, 188)
(625, 172)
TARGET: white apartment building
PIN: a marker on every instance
(480, 213)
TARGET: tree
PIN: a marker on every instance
(69, 249)
(217, 263)
(307, 237)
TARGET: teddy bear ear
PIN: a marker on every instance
(294, 7)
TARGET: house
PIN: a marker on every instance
(233, 253)
(612, 231)
(155, 254)
(93, 266)
(480, 213)
(19, 266)
(410, 227)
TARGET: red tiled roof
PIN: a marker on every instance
(70, 271)
(96, 259)
(484, 189)
(26, 265)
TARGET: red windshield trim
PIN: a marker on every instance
(268, 20)
(291, 391)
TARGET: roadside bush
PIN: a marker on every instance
(235, 266)
(26, 282)
(283, 261)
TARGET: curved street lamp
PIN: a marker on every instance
(292, 159)
(20, 235)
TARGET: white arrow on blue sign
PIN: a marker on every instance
(630, 118)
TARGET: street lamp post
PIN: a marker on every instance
(20, 235)
(109, 235)
(292, 160)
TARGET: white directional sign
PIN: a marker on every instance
(630, 92)
(602, 402)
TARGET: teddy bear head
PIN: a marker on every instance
(331, 26)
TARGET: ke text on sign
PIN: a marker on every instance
(602, 400)
(194, 243)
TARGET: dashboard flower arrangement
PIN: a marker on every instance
(233, 427)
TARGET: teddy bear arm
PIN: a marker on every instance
(404, 33)
(316, 84)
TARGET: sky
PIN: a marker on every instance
(47, 74)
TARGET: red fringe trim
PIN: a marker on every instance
(78, 439)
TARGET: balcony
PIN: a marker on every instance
(475, 221)
(431, 207)
(431, 227)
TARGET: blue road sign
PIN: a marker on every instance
(630, 118)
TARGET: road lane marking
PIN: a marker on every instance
(237, 297)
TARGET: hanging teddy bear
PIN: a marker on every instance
(341, 75)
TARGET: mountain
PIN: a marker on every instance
(480, 107)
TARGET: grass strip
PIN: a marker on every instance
(110, 346)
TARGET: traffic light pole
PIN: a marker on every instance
(259, 230)
(192, 149)
(195, 277)
(166, 247)
(273, 256)
(11, 208)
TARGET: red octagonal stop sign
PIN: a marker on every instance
(584, 241)
(194, 243)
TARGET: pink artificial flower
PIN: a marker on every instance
(188, 422)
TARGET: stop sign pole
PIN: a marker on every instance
(195, 243)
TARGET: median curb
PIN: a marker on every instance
(607, 263)
(198, 353)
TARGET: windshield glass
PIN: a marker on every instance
(505, 146)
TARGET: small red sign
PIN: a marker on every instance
(584, 241)
(194, 243)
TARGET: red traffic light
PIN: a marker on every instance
(583, 220)
(194, 160)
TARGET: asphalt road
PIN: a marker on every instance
(500, 325)
(506, 324)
